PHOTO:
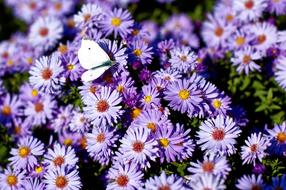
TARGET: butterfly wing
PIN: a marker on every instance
(91, 54)
(91, 75)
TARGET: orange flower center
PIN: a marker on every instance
(281, 137)
(122, 180)
(58, 161)
(137, 52)
(152, 126)
(100, 138)
(61, 182)
(253, 148)
(12, 180)
(6, 110)
(218, 31)
(240, 40)
(86, 17)
(58, 6)
(208, 166)
(183, 58)
(102, 106)
(165, 187)
(39, 107)
(24, 151)
(261, 38)
(246, 59)
(47, 73)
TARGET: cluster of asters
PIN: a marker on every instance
(248, 31)
(136, 116)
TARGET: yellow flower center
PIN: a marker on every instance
(240, 40)
(116, 21)
(148, 99)
(39, 169)
(217, 103)
(120, 88)
(34, 92)
(10, 62)
(136, 112)
(29, 60)
(137, 52)
(12, 180)
(63, 49)
(184, 94)
(24, 151)
(152, 126)
(68, 142)
(164, 142)
(6, 110)
(281, 137)
(70, 67)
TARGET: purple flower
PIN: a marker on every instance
(59, 178)
(183, 95)
(139, 51)
(118, 21)
(249, 10)
(72, 68)
(217, 135)
(138, 147)
(149, 97)
(25, 156)
(255, 148)
(10, 108)
(46, 73)
(60, 156)
(207, 181)
(100, 143)
(278, 139)
(12, 179)
(165, 182)
(183, 59)
(103, 107)
(45, 32)
(250, 182)
(277, 7)
(123, 176)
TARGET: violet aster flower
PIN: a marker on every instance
(212, 164)
(78, 123)
(245, 58)
(265, 35)
(38, 112)
(45, 32)
(60, 156)
(117, 21)
(277, 7)
(100, 143)
(25, 156)
(150, 97)
(208, 181)
(140, 51)
(183, 95)
(12, 179)
(73, 70)
(249, 10)
(255, 148)
(103, 107)
(171, 143)
(59, 8)
(165, 182)
(221, 105)
(216, 31)
(152, 120)
(183, 59)
(123, 176)
(35, 184)
(278, 139)
(62, 118)
(239, 39)
(27, 93)
(61, 179)
(169, 75)
(137, 146)
(10, 108)
(115, 51)
(46, 73)
(123, 83)
(217, 135)
(247, 182)
(89, 13)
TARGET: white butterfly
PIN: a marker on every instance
(93, 58)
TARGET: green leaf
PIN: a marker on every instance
(261, 108)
